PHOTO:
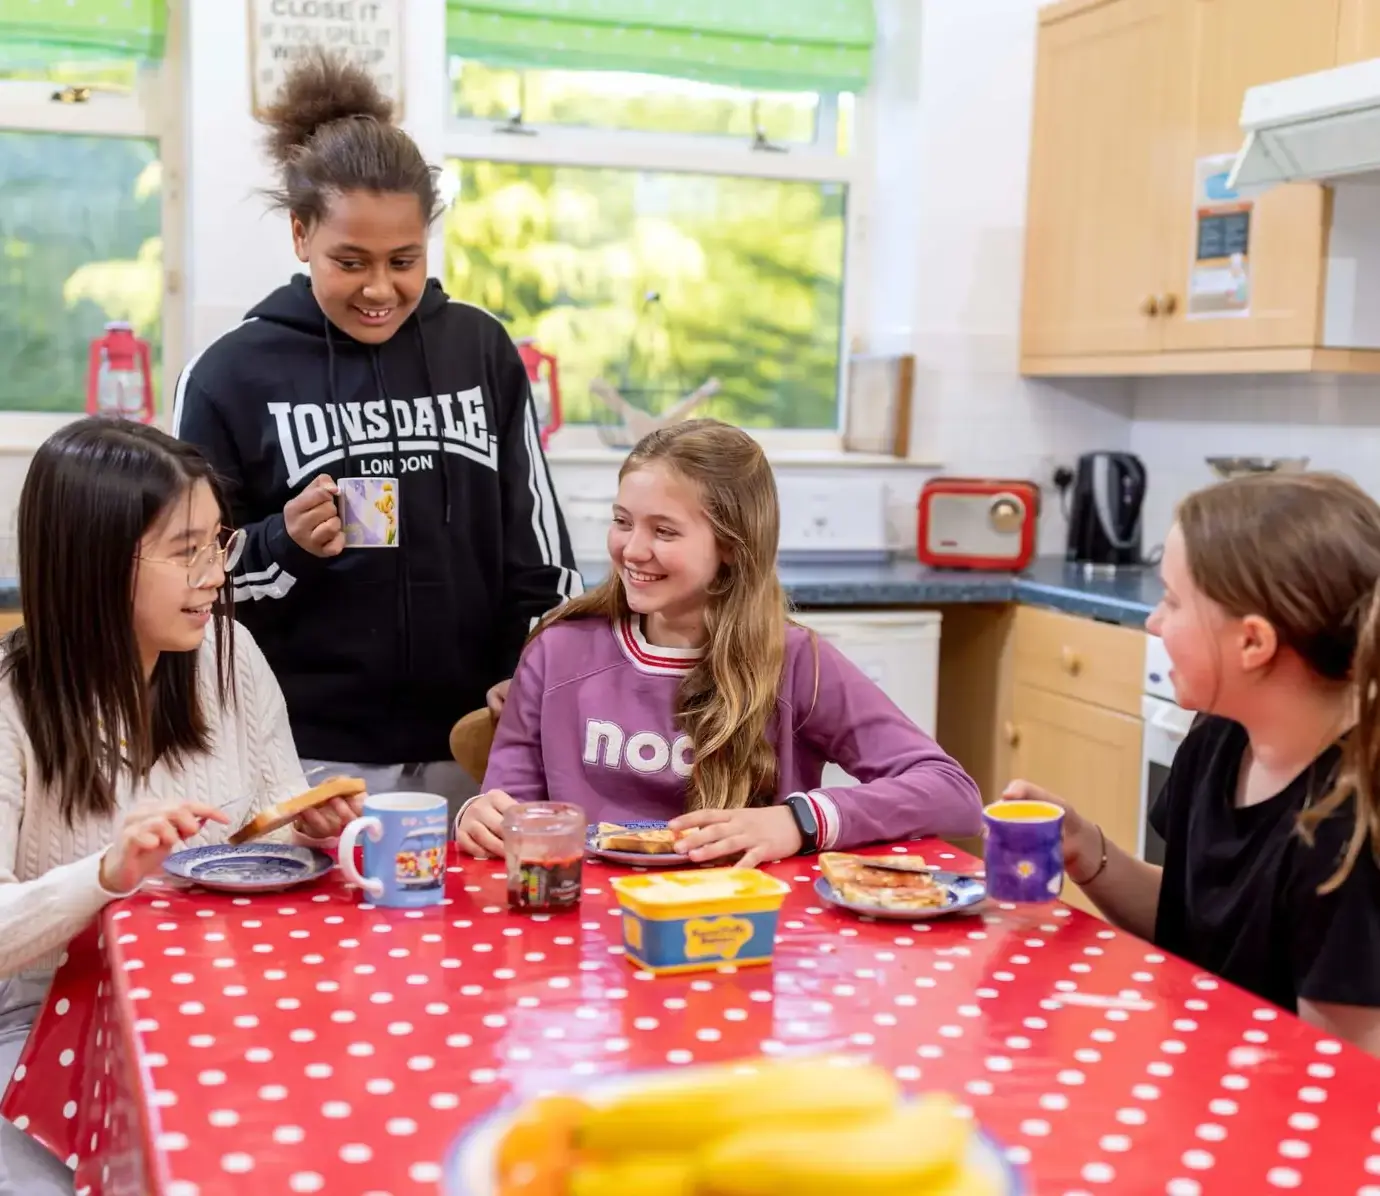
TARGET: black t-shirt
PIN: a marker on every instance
(1240, 896)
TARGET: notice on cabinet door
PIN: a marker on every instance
(368, 32)
(1219, 276)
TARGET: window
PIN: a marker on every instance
(657, 227)
(83, 137)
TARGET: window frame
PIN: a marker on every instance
(152, 111)
(547, 144)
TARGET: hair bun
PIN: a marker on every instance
(320, 88)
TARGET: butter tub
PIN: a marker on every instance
(695, 920)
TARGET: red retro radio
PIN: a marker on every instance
(978, 523)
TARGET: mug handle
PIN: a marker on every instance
(345, 853)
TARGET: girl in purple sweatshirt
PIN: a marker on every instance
(679, 689)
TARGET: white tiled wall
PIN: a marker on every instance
(1333, 421)
(973, 410)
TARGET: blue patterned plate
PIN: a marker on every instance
(469, 1162)
(250, 867)
(636, 859)
(963, 892)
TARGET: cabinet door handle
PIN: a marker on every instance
(1072, 662)
(1011, 733)
(1150, 306)
(1168, 304)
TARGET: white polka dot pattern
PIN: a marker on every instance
(348, 1055)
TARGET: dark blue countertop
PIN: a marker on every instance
(1128, 597)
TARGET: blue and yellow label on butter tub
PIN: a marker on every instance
(688, 921)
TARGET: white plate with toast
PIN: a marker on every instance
(896, 888)
(638, 844)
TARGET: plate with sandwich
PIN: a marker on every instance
(902, 888)
(641, 844)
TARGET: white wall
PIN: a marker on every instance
(972, 144)
(1333, 421)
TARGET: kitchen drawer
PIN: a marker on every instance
(1094, 662)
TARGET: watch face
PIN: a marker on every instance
(805, 818)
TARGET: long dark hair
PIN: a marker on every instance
(331, 131)
(1302, 551)
(92, 492)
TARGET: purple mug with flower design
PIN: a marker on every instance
(1025, 850)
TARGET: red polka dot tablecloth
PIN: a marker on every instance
(308, 1042)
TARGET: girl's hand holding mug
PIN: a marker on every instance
(480, 832)
(1082, 839)
(146, 837)
(312, 518)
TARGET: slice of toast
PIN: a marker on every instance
(857, 880)
(267, 821)
(648, 841)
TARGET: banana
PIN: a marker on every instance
(710, 1102)
(916, 1148)
(635, 1175)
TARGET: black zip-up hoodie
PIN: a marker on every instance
(380, 650)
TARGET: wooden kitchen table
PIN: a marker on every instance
(305, 1042)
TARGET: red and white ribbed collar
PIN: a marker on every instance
(653, 658)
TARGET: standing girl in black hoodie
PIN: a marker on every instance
(367, 369)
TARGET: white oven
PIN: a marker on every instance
(1165, 726)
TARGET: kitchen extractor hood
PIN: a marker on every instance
(1323, 127)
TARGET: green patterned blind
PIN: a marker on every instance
(784, 45)
(37, 33)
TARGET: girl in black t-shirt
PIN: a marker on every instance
(1271, 813)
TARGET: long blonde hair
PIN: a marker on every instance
(727, 700)
(1302, 551)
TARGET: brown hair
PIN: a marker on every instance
(1303, 552)
(331, 131)
(93, 490)
(727, 700)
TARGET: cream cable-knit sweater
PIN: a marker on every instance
(50, 873)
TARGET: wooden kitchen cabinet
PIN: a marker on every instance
(9, 620)
(1086, 754)
(1129, 96)
(1050, 698)
(1093, 256)
(1358, 31)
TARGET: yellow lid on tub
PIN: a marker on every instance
(683, 894)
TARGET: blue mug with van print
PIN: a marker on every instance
(404, 849)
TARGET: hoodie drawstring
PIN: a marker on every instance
(331, 399)
(440, 433)
(403, 577)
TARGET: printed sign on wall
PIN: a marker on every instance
(368, 32)
(1219, 278)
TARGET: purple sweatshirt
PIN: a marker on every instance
(590, 720)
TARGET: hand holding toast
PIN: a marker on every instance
(146, 837)
(759, 835)
(328, 820)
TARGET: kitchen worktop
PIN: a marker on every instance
(1127, 598)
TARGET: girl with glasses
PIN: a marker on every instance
(134, 718)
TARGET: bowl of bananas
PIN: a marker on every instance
(805, 1126)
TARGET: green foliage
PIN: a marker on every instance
(749, 271)
(80, 245)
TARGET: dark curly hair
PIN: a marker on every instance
(330, 131)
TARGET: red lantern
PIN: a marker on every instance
(546, 387)
(119, 378)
